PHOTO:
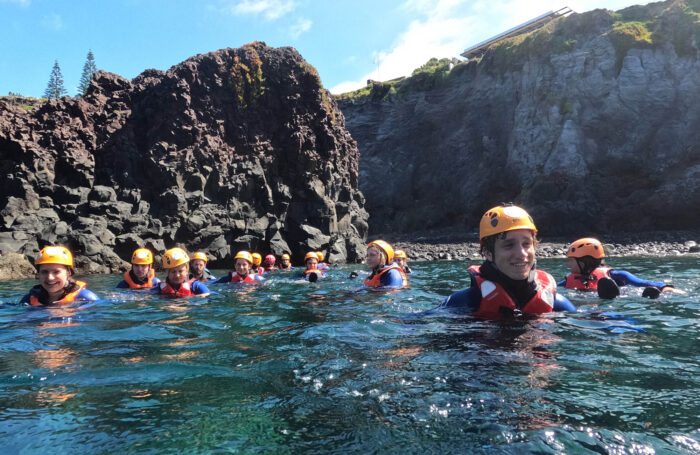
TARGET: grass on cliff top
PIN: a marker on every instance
(28, 103)
(430, 75)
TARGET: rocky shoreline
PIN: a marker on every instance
(453, 247)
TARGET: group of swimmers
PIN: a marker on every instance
(506, 282)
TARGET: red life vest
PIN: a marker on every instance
(148, 284)
(577, 281)
(375, 281)
(493, 296)
(236, 278)
(184, 291)
(68, 298)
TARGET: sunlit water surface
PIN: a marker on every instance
(293, 367)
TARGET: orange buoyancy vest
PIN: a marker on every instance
(236, 278)
(68, 298)
(577, 281)
(133, 285)
(376, 282)
(307, 271)
(494, 296)
(184, 291)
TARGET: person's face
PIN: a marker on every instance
(178, 275)
(311, 263)
(514, 255)
(53, 277)
(373, 258)
(401, 262)
(572, 264)
(141, 270)
(286, 262)
(242, 267)
(198, 266)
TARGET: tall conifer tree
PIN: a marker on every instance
(55, 88)
(88, 69)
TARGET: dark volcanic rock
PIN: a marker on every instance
(588, 123)
(239, 148)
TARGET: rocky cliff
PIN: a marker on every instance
(592, 124)
(239, 148)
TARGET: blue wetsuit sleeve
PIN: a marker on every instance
(466, 301)
(86, 294)
(561, 303)
(392, 278)
(223, 279)
(123, 285)
(561, 283)
(199, 288)
(155, 281)
(25, 300)
(623, 278)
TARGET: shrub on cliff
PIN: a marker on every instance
(246, 77)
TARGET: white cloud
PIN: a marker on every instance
(444, 28)
(270, 9)
(440, 34)
(53, 22)
(302, 25)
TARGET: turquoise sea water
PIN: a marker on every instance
(294, 367)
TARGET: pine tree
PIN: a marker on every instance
(55, 88)
(88, 69)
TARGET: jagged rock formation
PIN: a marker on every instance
(239, 148)
(592, 124)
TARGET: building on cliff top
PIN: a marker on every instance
(532, 24)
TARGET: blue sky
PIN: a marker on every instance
(348, 41)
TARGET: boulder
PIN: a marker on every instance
(14, 266)
(217, 152)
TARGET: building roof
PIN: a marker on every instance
(532, 24)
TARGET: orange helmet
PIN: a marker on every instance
(257, 258)
(200, 255)
(385, 247)
(244, 255)
(320, 256)
(586, 247)
(54, 255)
(175, 257)
(503, 219)
(400, 254)
(310, 255)
(142, 256)
(286, 256)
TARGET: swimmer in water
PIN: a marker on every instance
(177, 263)
(56, 286)
(142, 275)
(312, 272)
(402, 261)
(588, 272)
(242, 270)
(198, 267)
(508, 282)
(384, 272)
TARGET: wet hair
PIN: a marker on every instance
(488, 244)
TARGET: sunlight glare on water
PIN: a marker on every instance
(293, 367)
